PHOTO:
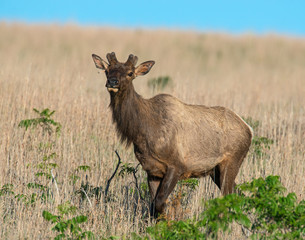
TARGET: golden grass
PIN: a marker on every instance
(51, 67)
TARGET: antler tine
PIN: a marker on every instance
(108, 57)
(132, 60)
(111, 58)
(135, 59)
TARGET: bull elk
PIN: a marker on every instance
(173, 140)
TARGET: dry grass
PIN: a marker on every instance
(51, 67)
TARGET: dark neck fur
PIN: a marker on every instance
(130, 113)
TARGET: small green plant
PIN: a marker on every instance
(74, 176)
(86, 190)
(43, 169)
(159, 83)
(45, 166)
(39, 192)
(6, 189)
(260, 144)
(66, 224)
(190, 183)
(182, 195)
(44, 120)
(126, 169)
(27, 199)
(142, 187)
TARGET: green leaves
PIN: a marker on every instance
(6, 189)
(188, 229)
(80, 219)
(271, 213)
(68, 228)
(74, 177)
(274, 213)
(126, 169)
(260, 144)
(262, 187)
(190, 183)
(221, 212)
(66, 208)
(50, 217)
(44, 120)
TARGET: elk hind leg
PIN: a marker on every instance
(225, 172)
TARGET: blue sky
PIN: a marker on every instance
(233, 16)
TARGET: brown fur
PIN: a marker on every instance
(173, 140)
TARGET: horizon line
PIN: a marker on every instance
(127, 27)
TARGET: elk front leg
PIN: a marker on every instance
(153, 184)
(166, 187)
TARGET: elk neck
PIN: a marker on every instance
(132, 115)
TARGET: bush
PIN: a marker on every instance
(260, 206)
(65, 227)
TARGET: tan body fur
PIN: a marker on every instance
(173, 140)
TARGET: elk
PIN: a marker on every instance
(173, 140)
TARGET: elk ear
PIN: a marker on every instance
(99, 63)
(144, 68)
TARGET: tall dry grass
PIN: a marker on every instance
(262, 77)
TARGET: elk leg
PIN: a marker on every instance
(224, 173)
(165, 188)
(223, 178)
(227, 178)
(153, 184)
(215, 175)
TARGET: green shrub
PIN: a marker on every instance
(6, 189)
(44, 120)
(65, 226)
(261, 207)
(260, 144)
(43, 170)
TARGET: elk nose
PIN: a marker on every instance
(112, 82)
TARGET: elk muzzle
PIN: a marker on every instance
(112, 85)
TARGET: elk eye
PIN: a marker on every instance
(130, 74)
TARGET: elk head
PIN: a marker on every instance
(120, 75)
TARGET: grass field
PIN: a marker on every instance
(262, 77)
